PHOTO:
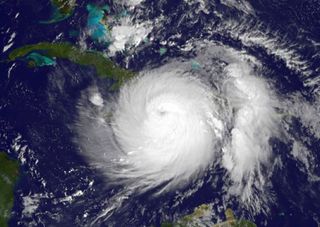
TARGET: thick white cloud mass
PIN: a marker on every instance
(255, 122)
(168, 126)
(164, 129)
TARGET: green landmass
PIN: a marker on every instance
(64, 6)
(231, 221)
(61, 10)
(104, 66)
(197, 213)
(9, 172)
(195, 219)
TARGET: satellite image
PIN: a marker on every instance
(160, 113)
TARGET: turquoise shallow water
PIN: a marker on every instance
(97, 29)
(40, 60)
(57, 13)
(38, 105)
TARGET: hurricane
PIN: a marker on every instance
(167, 127)
(143, 113)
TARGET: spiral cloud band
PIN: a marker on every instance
(167, 126)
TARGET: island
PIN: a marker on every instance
(9, 173)
(201, 216)
(97, 25)
(64, 50)
(61, 10)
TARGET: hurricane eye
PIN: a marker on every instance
(162, 112)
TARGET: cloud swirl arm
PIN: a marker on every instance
(167, 127)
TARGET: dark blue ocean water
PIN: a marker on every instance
(38, 105)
